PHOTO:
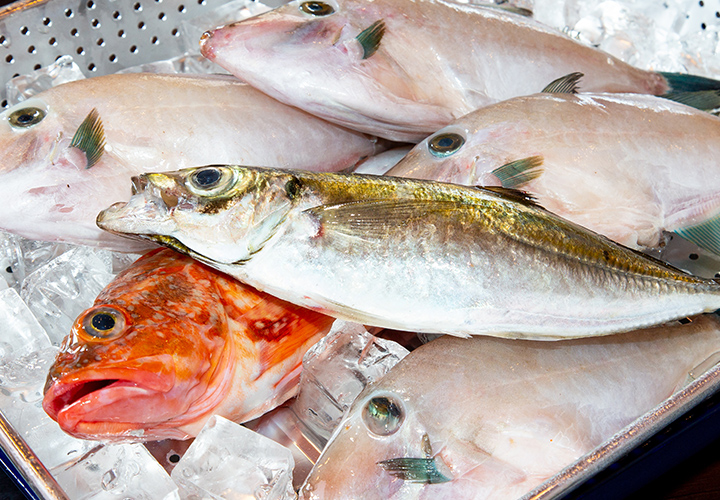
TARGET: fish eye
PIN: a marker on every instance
(26, 117)
(383, 415)
(316, 8)
(103, 323)
(210, 180)
(445, 144)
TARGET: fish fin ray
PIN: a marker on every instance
(414, 470)
(90, 138)
(514, 194)
(519, 172)
(705, 235)
(370, 38)
(567, 84)
(696, 91)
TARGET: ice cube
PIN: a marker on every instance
(24, 86)
(63, 288)
(117, 471)
(20, 256)
(228, 461)
(335, 370)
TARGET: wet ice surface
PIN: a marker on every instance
(229, 461)
(43, 286)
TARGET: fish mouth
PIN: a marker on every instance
(114, 407)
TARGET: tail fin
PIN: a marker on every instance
(696, 91)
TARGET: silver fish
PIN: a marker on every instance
(408, 254)
(627, 166)
(487, 418)
(69, 151)
(403, 69)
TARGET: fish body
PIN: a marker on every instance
(408, 254)
(402, 70)
(55, 178)
(488, 418)
(626, 166)
(171, 342)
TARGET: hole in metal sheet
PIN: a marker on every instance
(693, 256)
(112, 58)
(100, 42)
(92, 67)
(4, 41)
(182, 9)
(137, 7)
(74, 32)
(141, 25)
(95, 23)
(701, 3)
(69, 13)
(134, 49)
(52, 41)
(9, 59)
(703, 26)
(47, 22)
(31, 49)
(91, 4)
(155, 40)
(121, 33)
(37, 67)
(80, 51)
(175, 32)
(162, 16)
(24, 30)
(116, 15)
(4, 103)
(201, 2)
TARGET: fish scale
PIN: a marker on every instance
(409, 254)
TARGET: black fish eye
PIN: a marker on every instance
(207, 178)
(103, 323)
(317, 8)
(26, 117)
(383, 415)
(445, 144)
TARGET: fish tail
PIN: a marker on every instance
(695, 91)
(705, 234)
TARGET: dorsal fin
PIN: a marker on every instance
(567, 84)
(512, 194)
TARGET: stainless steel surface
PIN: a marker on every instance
(27, 463)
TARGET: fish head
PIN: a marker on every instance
(446, 156)
(218, 214)
(334, 59)
(150, 357)
(384, 444)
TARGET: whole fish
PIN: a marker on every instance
(627, 166)
(171, 342)
(402, 70)
(487, 418)
(68, 151)
(408, 254)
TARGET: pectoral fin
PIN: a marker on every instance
(370, 38)
(90, 138)
(415, 470)
(519, 172)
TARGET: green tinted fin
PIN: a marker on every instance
(370, 38)
(90, 138)
(696, 91)
(705, 235)
(414, 470)
(519, 172)
(567, 84)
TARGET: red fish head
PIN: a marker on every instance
(140, 369)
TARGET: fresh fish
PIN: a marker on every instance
(171, 342)
(408, 254)
(403, 69)
(624, 165)
(67, 152)
(487, 418)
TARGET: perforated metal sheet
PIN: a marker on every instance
(102, 36)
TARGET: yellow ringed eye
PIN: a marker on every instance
(211, 180)
(317, 8)
(103, 323)
(26, 117)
